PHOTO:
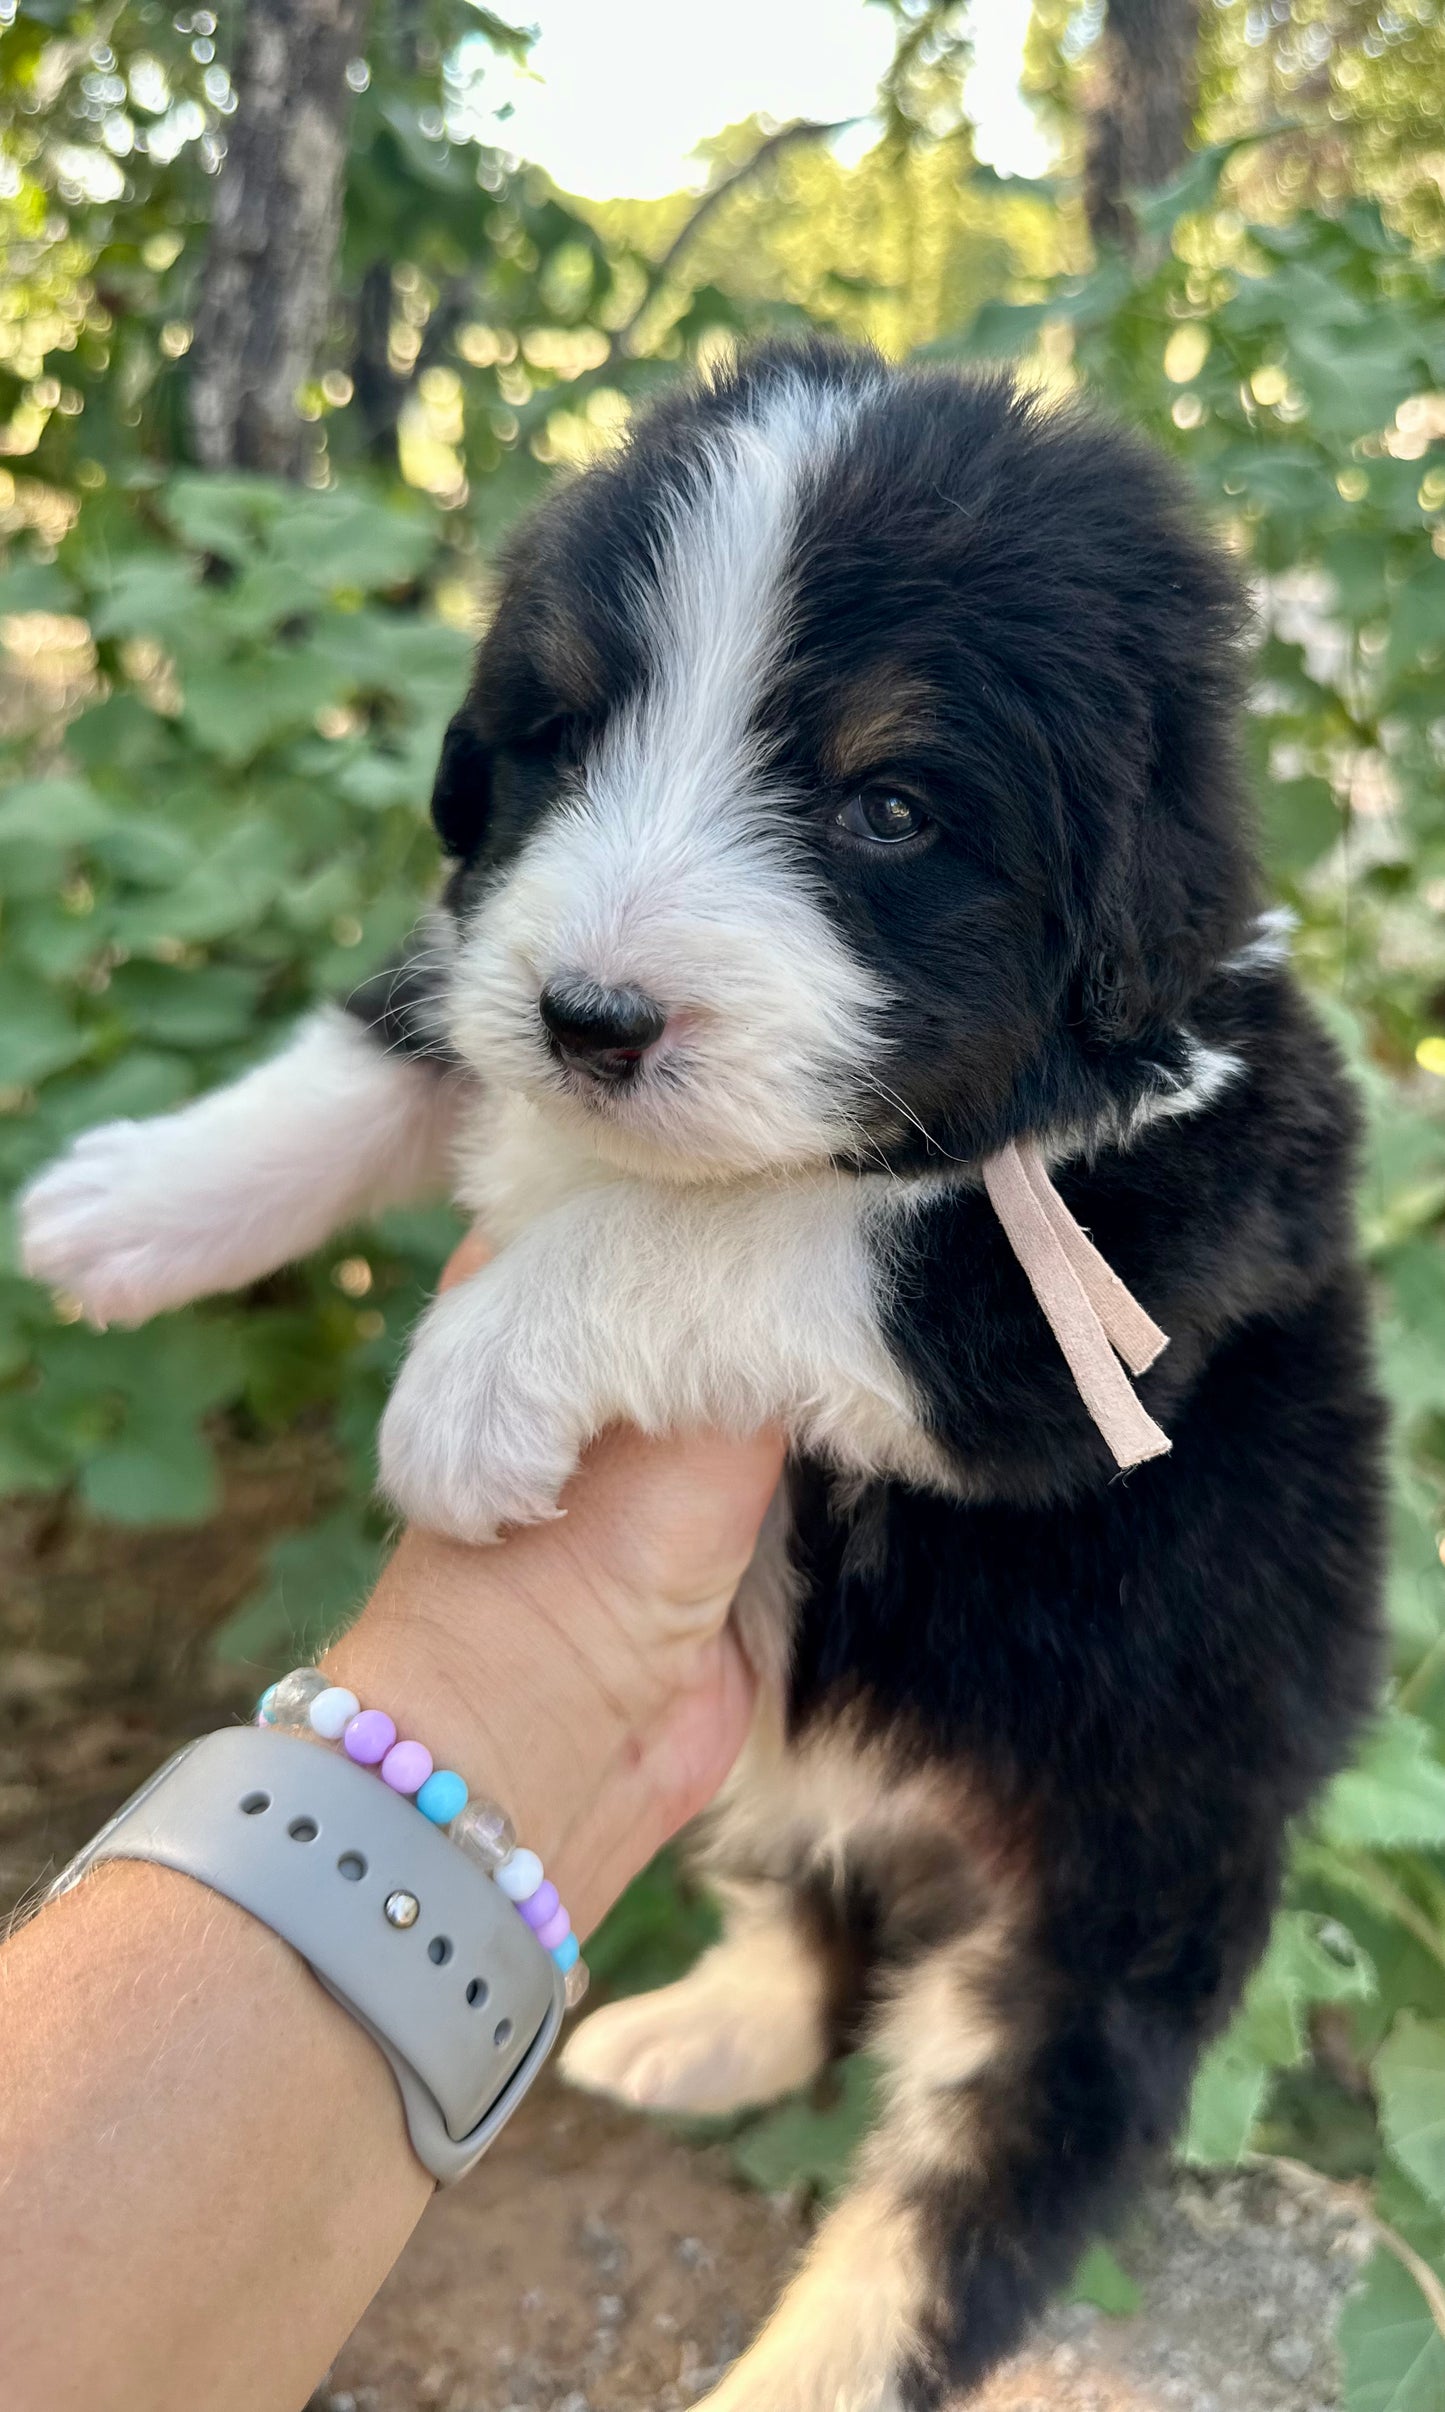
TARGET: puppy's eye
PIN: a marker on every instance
(881, 816)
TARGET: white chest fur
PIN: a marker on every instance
(512, 1165)
(617, 1299)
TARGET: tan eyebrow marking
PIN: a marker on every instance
(879, 715)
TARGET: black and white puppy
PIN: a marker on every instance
(849, 786)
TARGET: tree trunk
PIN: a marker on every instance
(1141, 107)
(380, 389)
(267, 281)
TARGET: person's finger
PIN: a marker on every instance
(466, 1259)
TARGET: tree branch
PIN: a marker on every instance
(620, 343)
(803, 129)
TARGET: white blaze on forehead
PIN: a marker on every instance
(717, 616)
(668, 867)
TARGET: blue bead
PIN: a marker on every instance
(263, 1705)
(442, 1797)
(567, 1952)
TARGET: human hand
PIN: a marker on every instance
(583, 1671)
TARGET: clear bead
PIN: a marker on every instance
(292, 1698)
(577, 1983)
(485, 1833)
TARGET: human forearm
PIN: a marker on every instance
(204, 2174)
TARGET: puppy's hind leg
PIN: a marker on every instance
(1020, 2098)
(141, 1216)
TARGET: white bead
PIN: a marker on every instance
(520, 1875)
(332, 1712)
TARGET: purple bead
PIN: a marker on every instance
(368, 1737)
(406, 1766)
(544, 1904)
(557, 1928)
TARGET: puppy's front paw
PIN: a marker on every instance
(468, 1442)
(101, 1223)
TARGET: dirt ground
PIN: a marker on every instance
(593, 2263)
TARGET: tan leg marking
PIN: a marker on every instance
(847, 2324)
(854, 2316)
(936, 2034)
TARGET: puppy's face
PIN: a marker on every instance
(796, 796)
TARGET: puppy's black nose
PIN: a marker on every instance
(604, 1031)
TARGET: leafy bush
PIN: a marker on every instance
(236, 826)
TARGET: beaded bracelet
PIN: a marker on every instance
(307, 1702)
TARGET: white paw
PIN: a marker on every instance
(471, 1441)
(690, 2047)
(102, 1223)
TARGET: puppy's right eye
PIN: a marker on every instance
(880, 816)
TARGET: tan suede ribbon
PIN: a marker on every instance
(1089, 1311)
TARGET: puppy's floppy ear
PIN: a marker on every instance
(461, 797)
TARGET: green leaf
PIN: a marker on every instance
(1301, 822)
(142, 1081)
(38, 1035)
(1394, 2354)
(1409, 2075)
(1193, 189)
(229, 516)
(999, 331)
(316, 1582)
(1310, 1959)
(136, 1482)
(353, 541)
(228, 889)
(145, 597)
(1228, 2098)
(35, 586)
(56, 812)
(800, 2145)
(212, 1006)
(150, 853)
(30, 1459)
(233, 709)
(1394, 1798)
(1100, 2280)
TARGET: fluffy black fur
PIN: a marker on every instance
(1143, 1678)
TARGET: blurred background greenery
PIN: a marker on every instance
(291, 327)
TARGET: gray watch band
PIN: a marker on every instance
(458, 1993)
